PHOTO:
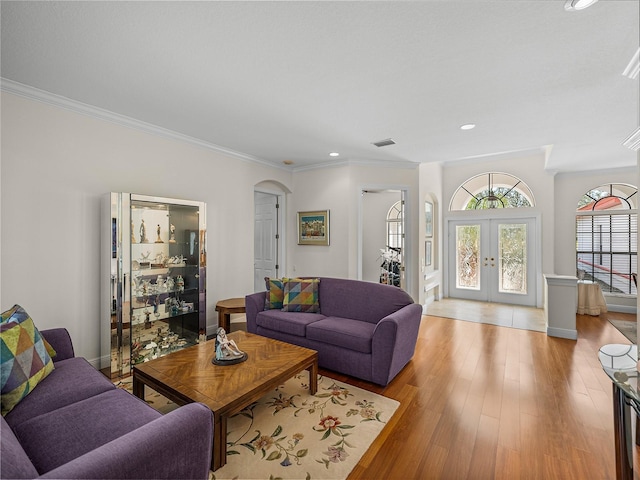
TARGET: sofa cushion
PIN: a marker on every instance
(14, 462)
(293, 323)
(275, 293)
(301, 295)
(58, 437)
(368, 301)
(343, 332)
(25, 360)
(72, 380)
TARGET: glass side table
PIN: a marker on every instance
(620, 362)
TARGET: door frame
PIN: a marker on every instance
(282, 225)
(408, 231)
(502, 215)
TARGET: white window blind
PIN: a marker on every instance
(606, 246)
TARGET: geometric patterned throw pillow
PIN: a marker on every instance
(24, 357)
(301, 295)
(275, 293)
(12, 314)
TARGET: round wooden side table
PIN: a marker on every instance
(225, 308)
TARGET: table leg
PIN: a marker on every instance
(138, 387)
(622, 433)
(219, 457)
(313, 378)
(224, 320)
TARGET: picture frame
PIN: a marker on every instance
(427, 253)
(313, 228)
(428, 218)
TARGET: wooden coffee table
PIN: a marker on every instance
(189, 376)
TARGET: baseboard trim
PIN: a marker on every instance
(622, 309)
(562, 333)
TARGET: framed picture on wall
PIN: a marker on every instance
(427, 253)
(428, 219)
(313, 228)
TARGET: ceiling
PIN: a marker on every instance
(294, 81)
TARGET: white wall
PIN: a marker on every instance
(320, 189)
(56, 166)
(431, 183)
(339, 190)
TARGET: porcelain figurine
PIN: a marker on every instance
(143, 232)
(226, 349)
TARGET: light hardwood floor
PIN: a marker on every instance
(482, 401)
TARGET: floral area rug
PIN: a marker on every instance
(290, 434)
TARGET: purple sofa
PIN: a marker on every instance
(364, 329)
(77, 424)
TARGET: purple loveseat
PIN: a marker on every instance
(364, 329)
(77, 424)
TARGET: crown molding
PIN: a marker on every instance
(49, 98)
(358, 162)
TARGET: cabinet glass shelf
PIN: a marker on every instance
(154, 277)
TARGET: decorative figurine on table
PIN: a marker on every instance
(172, 231)
(143, 232)
(158, 240)
(227, 352)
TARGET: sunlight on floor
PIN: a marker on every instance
(514, 316)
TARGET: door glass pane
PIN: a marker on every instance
(512, 258)
(468, 256)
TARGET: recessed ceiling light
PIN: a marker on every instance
(468, 126)
(334, 154)
(572, 5)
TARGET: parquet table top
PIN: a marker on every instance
(189, 376)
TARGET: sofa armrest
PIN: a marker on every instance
(254, 303)
(60, 340)
(394, 342)
(176, 445)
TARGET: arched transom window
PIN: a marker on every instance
(492, 190)
(394, 226)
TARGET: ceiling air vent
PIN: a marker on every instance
(384, 143)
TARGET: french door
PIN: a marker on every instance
(493, 260)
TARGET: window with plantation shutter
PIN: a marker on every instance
(607, 236)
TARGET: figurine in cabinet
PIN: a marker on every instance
(158, 240)
(143, 232)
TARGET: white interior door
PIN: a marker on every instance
(265, 246)
(493, 260)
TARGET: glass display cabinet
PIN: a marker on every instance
(153, 280)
